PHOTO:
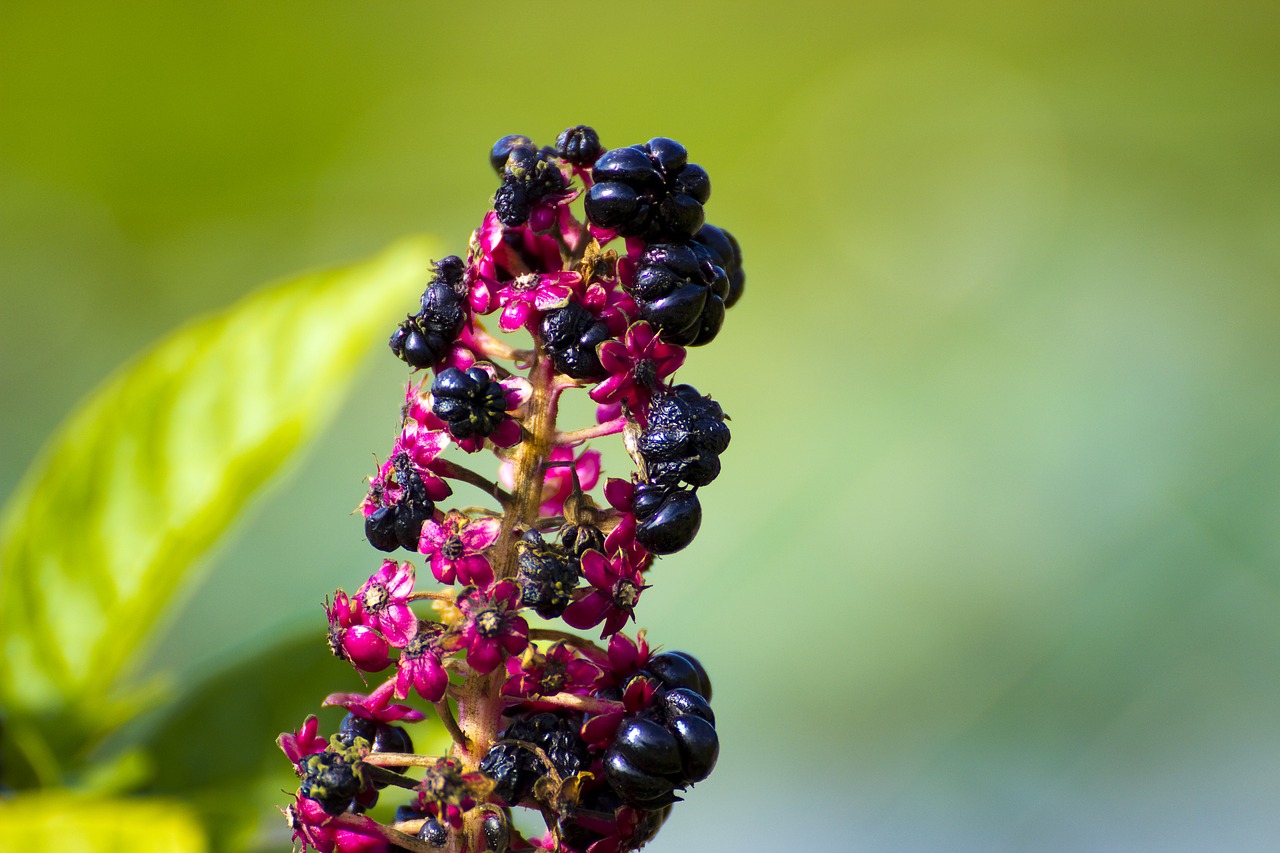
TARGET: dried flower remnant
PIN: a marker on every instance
(598, 737)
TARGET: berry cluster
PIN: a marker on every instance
(597, 736)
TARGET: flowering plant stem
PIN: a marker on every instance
(596, 738)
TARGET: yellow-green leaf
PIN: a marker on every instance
(57, 822)
(153, 467)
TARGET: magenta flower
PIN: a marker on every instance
(384, 602)
(419, 667)
(525, 298)
(492, 625)
(560, 670)
(454, 546)
(499, 254)
(351, 639)
(377, 706)
(311, 828)
(636, 366)
(558, 481)
(620, 494)
(306, 742)
(625, 658)
(617, 589)
(599, 730)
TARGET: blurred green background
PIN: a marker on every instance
(993, 561)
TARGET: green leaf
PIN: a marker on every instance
(57, 821)
(215, 747)
(151, 469)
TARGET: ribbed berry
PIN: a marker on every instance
(528, 177)
(579, 145)
(423, 338)
(667, 518)
(472, 403)
(434, 833)
(575, 539)
(684, 438)
(331, 780)
(680, 289)
(547, 575)
(503, 147)
(728, 255)
(668, 746)
(515, 768)
(679, 669)
(649, 191)
(571, 335)
(382, 737)
(496, 827)
(399, 524)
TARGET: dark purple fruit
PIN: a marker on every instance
(648, 746)
(672, 525)
(636, 787)
(699, 746)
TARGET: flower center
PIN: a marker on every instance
(489, 623)
(526, 282)
(645, 373)
(553, 678)
(625, 594)
(453, 549)
(376, 598)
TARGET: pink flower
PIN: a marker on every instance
(558, 481)
(636, 367)
(625, 658)
(352, 640)
(454, 546)
(306, 742)
(377, 706)
(419, 666)
(525, 298)
(310, 825)
(492, 625)
(498, 254)
(599, 730)
(620, 494)
(560, 670)
(617, 589)
(384, 600)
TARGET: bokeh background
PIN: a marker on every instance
(993, 561)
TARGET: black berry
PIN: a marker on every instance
(579, 145)
(684, 438)
(472, 403)
(728, 255)
(571, 335)
(503, 147)
(423, 338)
(667, 519)
(547, 575)
(433, 832)
(650, 191)
(680, 288)
(680, 669)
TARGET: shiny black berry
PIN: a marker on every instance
(380, 528)
(353, 727)
(684, 438)
(680, 289)
(648, 746)
(515, 768)
(547, 575)
(571, 335)
(424, 338)
(671, 518)
(698, 743)
(433, 832)
(503, 147)
(680, 669)
(528, 177)
(728, 255)
(636, 787)
(682, 700)
(472, 403)
(496, 827)
(650, 191)
(579, 145)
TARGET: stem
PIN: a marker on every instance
(399, 759)
(390, 777)
(363, 826)
(564, 637)
(425, 595)
(577, 436)
(446, 717)
(454, 471)
(589, 704)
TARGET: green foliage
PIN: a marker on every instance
(149, 472)
(57, 822)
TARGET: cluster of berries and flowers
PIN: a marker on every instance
(596, 736)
